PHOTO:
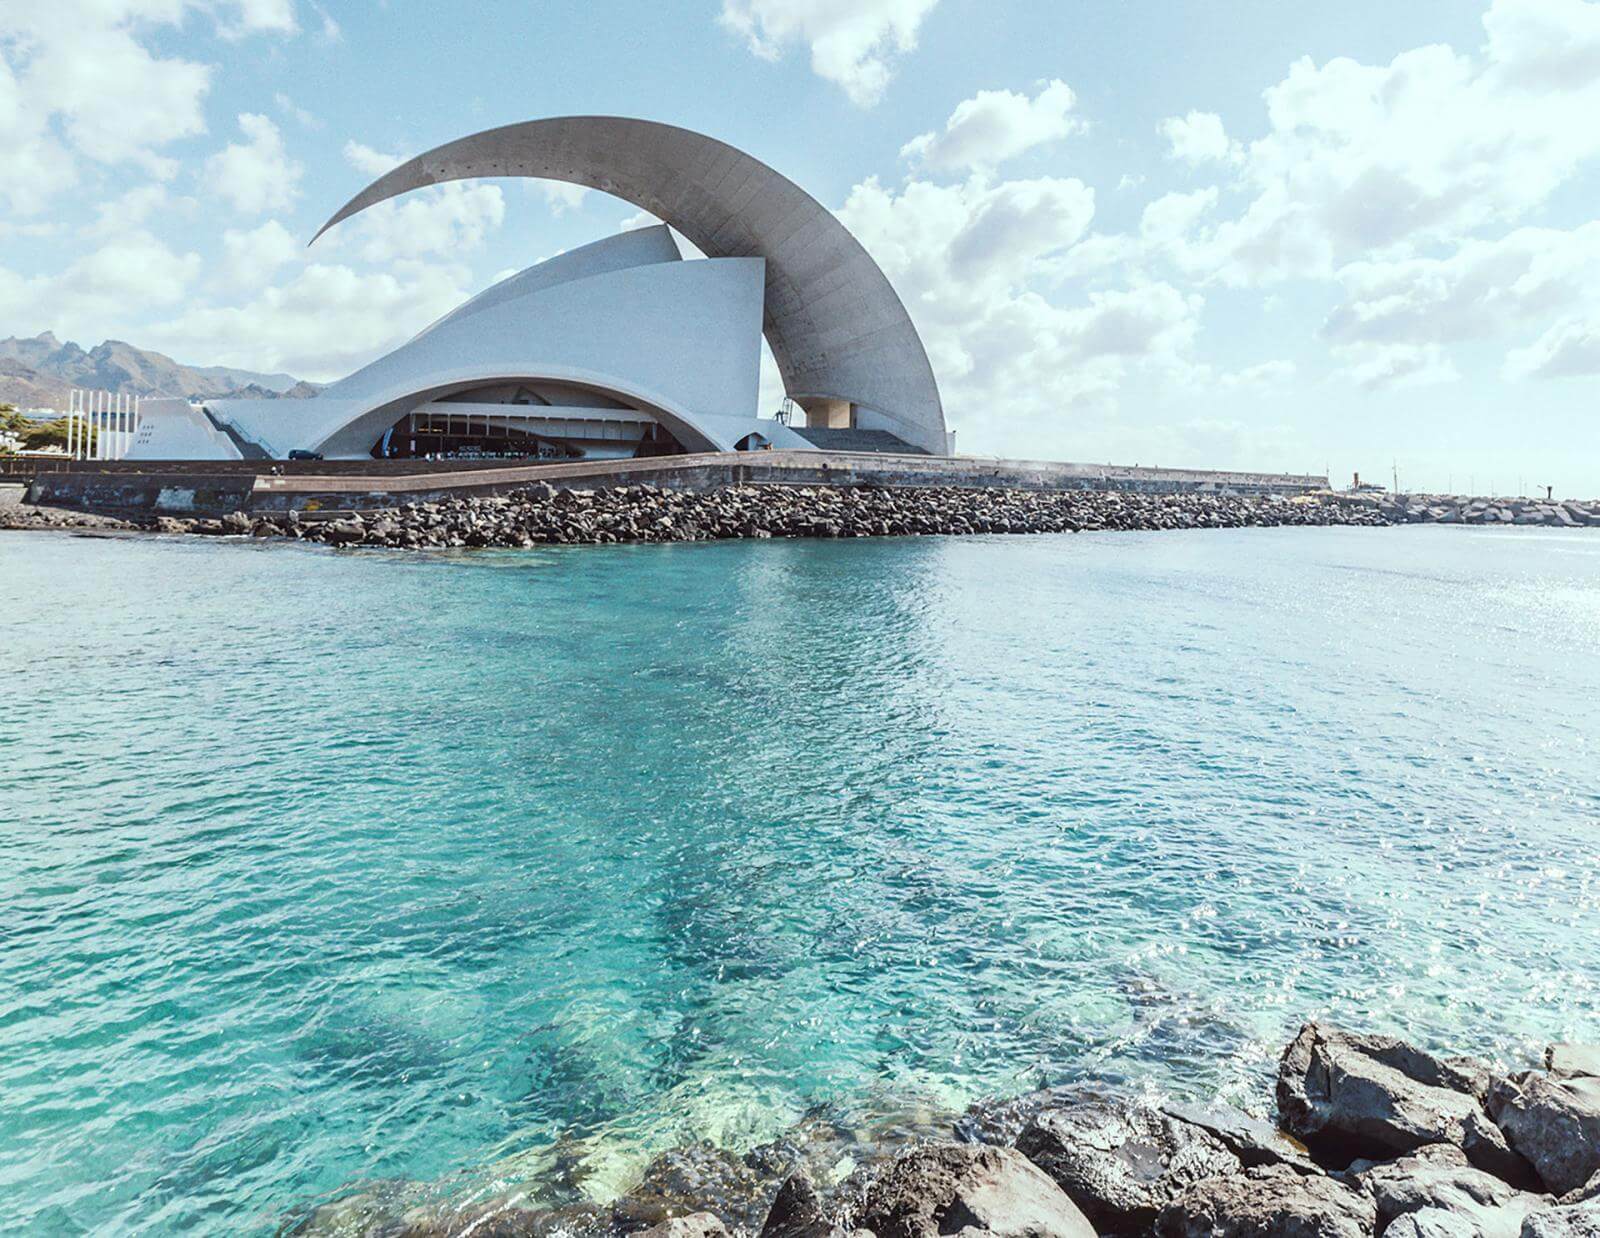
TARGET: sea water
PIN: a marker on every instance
(324, 869)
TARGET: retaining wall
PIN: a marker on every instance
(207, 488)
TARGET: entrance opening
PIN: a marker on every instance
(526, 420)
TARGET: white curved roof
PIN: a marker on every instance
(623, 315)
(836, 327)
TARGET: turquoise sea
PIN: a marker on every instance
(320, 869)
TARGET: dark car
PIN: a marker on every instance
(298, 454)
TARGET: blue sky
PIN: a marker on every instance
(1255, 235)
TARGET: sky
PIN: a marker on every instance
(1362, 236)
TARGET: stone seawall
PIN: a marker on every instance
(1456, 509)
(544, 515)
(201, 489)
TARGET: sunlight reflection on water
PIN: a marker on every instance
(322, 868)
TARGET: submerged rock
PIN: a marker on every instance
(1269, 1202)
(1554, 1122)
(1349, 1096)
(695, 1178)
(1000, 1120)
(1121, 1164)
(967, 1189)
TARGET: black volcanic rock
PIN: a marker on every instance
(1350, 1096)
(1122, 1163)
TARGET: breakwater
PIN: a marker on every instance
(215, 488)
(1372, 1136)
(541, 515)
(1456, 509)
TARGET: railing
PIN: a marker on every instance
(31, 466)
(101, 424)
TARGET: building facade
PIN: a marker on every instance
(622, 348)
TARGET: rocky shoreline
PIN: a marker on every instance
(1454, 509)
(543, 515)
(1374, 1137)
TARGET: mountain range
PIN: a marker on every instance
(39, 373)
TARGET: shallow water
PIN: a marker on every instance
(319, 869)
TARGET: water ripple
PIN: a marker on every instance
(494, 871)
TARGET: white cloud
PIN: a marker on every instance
(853, 42)
(1427, 149)
(447, 219)
(1199, 138)
(1375, 366)
(1484, 291)
(257, 174)
(1264, 375)
(134, 209)
(79, 81)
(242, 17)
(1167, 222)
(996, 125)
(301, 116)
(1570, 349)
(372, 162)
(332, 32)
(453, 218)
(106, 291)
(254, 256)
(562, 197)
(323, 323)
(974, 263)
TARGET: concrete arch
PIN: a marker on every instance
(835, 324)
(355, 437)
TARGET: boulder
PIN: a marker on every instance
(1350, 1097)
(1589, 1190)
(343, 532)
(962, 1188)
(1554, 1122)
(1121, 1164)
(236, 522)
(1437, 1180)
(1431, 1223)
(1001, 1121)
(1570, 1060)
(1272, 1201)
(1564, 1221)
(694, 1178)
(695, 1225)
(1253, 1141)
(796, 1211)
